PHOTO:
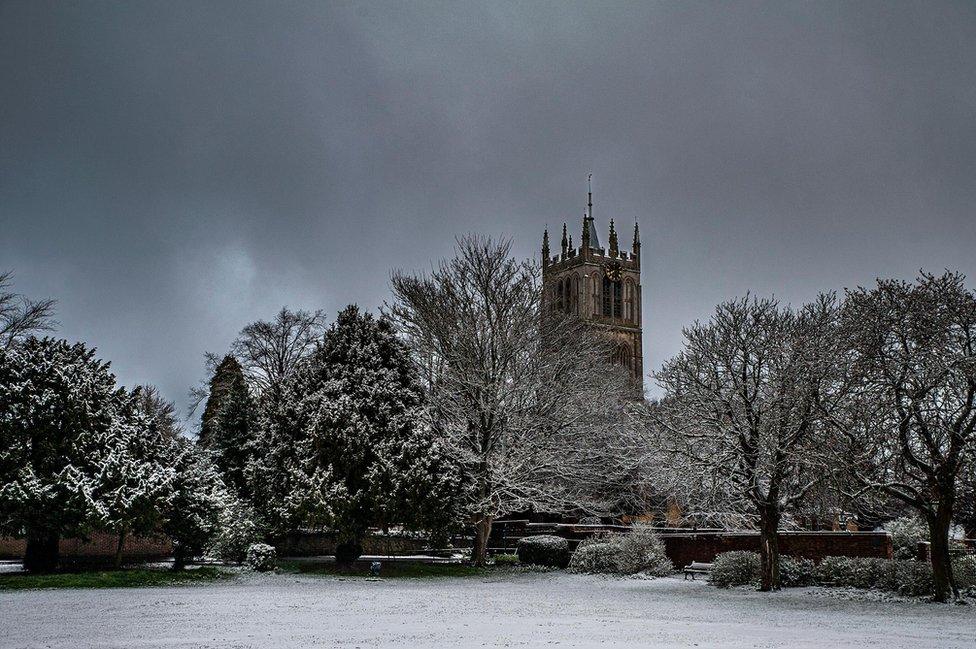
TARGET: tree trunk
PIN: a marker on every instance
(118, 550)
(482, 530)
(179, 557)
(769, 549)
(42, 553)
(942, 579)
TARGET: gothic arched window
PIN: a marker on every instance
(573, 295)
(596, 295)
(630, 290)
(622, 356)
(612, 298)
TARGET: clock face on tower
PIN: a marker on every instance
(613, 271)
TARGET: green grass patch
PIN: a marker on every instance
(112, 579)
(390, 569)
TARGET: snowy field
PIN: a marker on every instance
(528, 610)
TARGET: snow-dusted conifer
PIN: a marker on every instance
(354, 424)
(225, 374)
(129, 477)
(191, 510)
(55, 398)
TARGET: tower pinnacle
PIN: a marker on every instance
(636, 248)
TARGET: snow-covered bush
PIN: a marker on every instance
(964, 571)
(596, 557)
(903, 577)
(545, 550)
(844, 571)
(261, 557)
(237, 532)
(642, 551)
(738, 568)
(505, 559)
(906, 533)
(795, 571)
(590, 520)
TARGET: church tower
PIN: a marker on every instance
(600, 285)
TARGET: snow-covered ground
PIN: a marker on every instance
(525, 610)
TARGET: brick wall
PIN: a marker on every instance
(683, 546)
(100, 545)
(310, 544)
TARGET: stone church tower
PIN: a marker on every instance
(601, 285)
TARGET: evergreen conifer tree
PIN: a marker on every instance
(56, 398)
(364, 460)
(227, 425)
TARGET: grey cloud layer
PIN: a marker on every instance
(170, 171)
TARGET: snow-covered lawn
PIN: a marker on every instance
(524, 610)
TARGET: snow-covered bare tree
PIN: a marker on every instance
(270, 351)
(55, 398)
(910, 430)
(20, 316)
(741, 419)
(531, 407)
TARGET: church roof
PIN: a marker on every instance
(594, 237)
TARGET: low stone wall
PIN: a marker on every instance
(684, 546)
(99, 546)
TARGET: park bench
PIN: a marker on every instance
(697, 568)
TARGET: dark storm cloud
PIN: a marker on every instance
(171, 171)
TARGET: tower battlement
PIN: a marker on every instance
(599, 284)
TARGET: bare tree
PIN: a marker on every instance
(20, 316)
(157, 410)
(534, 413)
(740, 422)
(269, 351)
(909, 430)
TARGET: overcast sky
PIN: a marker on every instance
(171, 171)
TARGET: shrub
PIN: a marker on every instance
(261, 557)
(964, 570)
(590, 520)
(642, 551)
(596, 557)
(639, 551)
(738, 568)
(856, 572)
(795, 571)
(912, 578)
(906, 533)
(546, 550)
(506, 559)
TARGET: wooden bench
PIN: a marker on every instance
(697, 568)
